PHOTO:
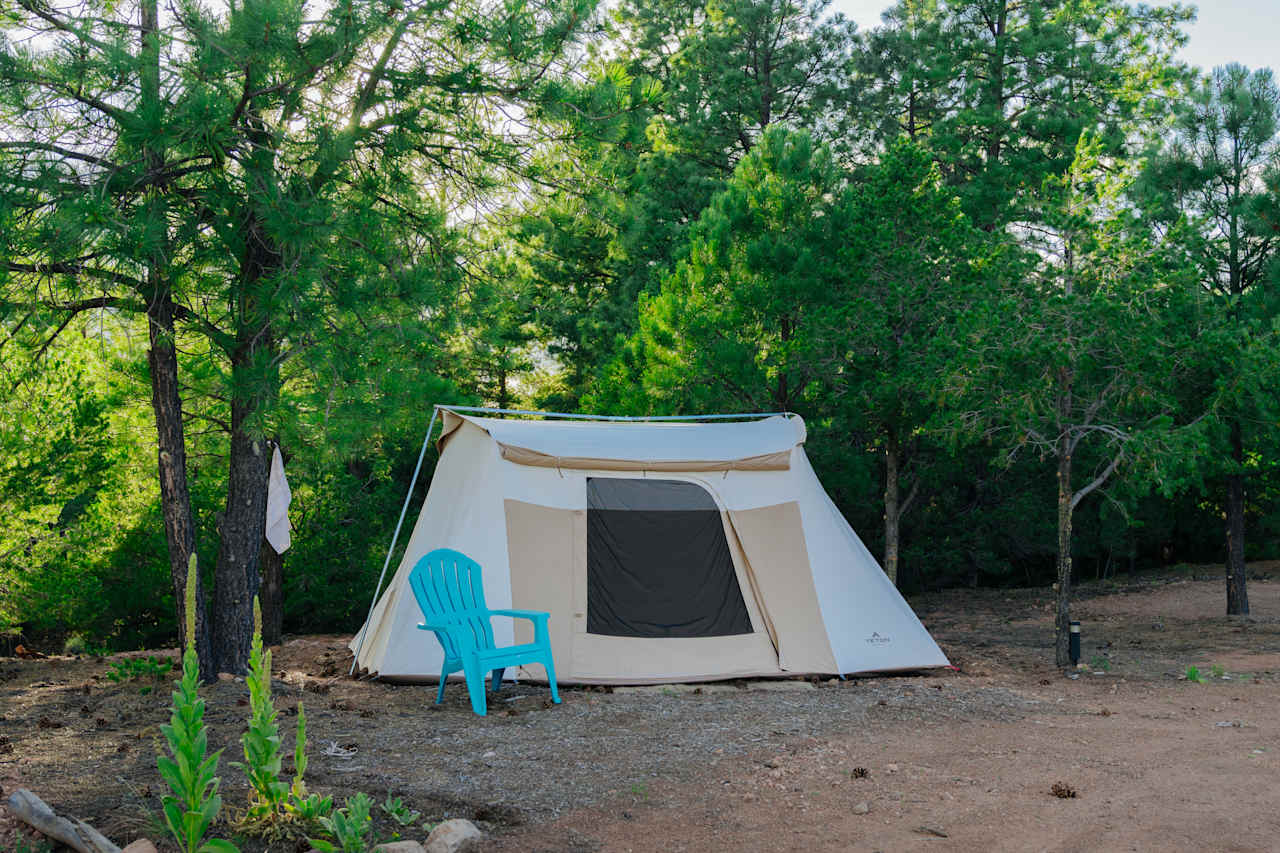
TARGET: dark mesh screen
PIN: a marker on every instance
(658, 564)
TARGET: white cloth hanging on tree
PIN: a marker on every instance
(278, 498)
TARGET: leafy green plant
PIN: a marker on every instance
(191, 773)
(262, 744)
(75, 644)
(399, 812)
(1098, 662)
(351, 827)
(302, 805)
(1193, 674)
(1219, 670)
(132, 668)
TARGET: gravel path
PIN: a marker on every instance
(539, 761)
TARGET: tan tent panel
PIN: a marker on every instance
(773, 539)
(664, 551)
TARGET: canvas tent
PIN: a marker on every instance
(664, 551)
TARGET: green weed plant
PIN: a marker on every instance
(303, 806)
(351, 828)
(276, 809)
(190, 771)
(399, 812)
(262, 745)
(135, 668)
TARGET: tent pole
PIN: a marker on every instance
(426, 440)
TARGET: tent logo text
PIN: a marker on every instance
(876, 640)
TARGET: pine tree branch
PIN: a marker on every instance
(68, 153)
(74, 268)
(1098, 480)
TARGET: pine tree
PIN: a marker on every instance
(1215, 184)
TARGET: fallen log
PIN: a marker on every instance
(74, 833)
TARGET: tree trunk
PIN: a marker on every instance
(175, 494)
(1237, 580)
(271, 594)
(255, 383)
(240, 542)
(162, 361)
(892, 512)
(1062, 622)
(783, 393)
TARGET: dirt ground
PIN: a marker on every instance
(942, 760)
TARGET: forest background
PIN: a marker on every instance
(1013, 263)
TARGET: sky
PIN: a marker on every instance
(1243, 31)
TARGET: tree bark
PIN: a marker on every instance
(240, 543)
(271, 594)
(255, 382)
(1062, 621)
(72, 832)
(166, 398)
(892, 512)
(175, 493)
(1237, 579)
(783, 392)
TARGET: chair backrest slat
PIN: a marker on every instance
(448, 585)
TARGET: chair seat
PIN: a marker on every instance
(508, 651)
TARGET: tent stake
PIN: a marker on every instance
(426, 440)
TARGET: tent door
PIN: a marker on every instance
(659, 563)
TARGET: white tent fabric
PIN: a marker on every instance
(645, 441)
(818, 600)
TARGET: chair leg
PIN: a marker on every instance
(440, 693)
(475, 685)
(497, 679)
(551, 678)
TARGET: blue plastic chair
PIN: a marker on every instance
(450, 593)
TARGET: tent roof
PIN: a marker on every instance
(565, 443)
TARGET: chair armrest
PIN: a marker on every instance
(532, 615)
(537, 617)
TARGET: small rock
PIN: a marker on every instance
(142, 845)
(395, 847)
(448, 836)
(862, 808)
(892, 768)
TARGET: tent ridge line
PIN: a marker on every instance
(634, 418)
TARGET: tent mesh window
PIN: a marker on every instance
(658, 564)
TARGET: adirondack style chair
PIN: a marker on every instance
(450, 593)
